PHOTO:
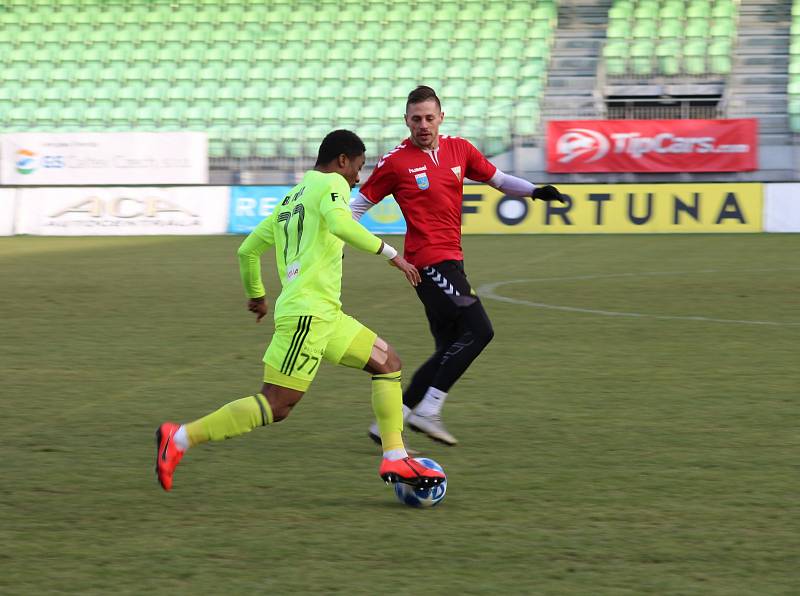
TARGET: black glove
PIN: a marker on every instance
(547, 193)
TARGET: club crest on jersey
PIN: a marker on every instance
(422, 181)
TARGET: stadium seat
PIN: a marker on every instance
(694, 37)
(238, 66)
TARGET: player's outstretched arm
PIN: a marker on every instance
(359, 206)
(356, 235)
(519, 187)
(345, 228)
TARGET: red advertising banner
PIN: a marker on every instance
(652, 145)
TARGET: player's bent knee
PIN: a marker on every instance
(384, 359)
(281, 400)
(393, 362)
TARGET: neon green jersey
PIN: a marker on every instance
(308, 230)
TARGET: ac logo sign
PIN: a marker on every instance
(123, 207)
(151, 212)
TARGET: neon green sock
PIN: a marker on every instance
(231, 420)
(387, 403)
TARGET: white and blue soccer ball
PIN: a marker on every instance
(422, 497)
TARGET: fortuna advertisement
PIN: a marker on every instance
(617, 208)
(652, 145)
(45, 159)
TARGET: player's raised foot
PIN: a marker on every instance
(167, 454)
(409, 471)
(374, 434)
(431, 426)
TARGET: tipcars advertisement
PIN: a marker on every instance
(43, 159)
(250, 204)
(617, 208)
(652, 145)
(121, 211)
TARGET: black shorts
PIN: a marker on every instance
(445, 292)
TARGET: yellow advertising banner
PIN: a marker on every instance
(617, 208)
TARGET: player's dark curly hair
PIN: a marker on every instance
(423, 93)
(338, 142)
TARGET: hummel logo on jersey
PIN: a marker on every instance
(416, 170)
(457, 171)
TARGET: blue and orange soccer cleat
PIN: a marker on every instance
(411, 472)
(167, 454)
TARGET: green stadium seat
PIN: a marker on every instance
(723, 28)
(692, 35)
(699, 10)
(670, 28)
(645, 9)
(721, 64)
(645, 29)
(669, 64)
(723, 9)
(221, 66)
(695, 65)
(721, 47)
(696, 47)
(697, 28)
(672, 10)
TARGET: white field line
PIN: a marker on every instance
(490, 291)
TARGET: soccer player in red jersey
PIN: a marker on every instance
(426, 173)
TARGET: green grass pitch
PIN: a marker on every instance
(631, 430)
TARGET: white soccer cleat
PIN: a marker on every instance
(431, 426)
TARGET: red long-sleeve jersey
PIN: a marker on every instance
(428, 186)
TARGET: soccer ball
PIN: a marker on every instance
(422, 497)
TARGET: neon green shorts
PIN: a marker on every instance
(299, 345)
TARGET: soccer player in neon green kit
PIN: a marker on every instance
(308, 230)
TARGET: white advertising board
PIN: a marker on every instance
(782, 208)
(94, 158)
(7, 211)
(121, 211)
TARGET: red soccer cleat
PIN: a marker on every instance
(167, 454)
(409, 471)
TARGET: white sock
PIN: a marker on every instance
(181, 439)
(394, 454)
(431, 404)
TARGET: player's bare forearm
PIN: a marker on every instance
(411, 272)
